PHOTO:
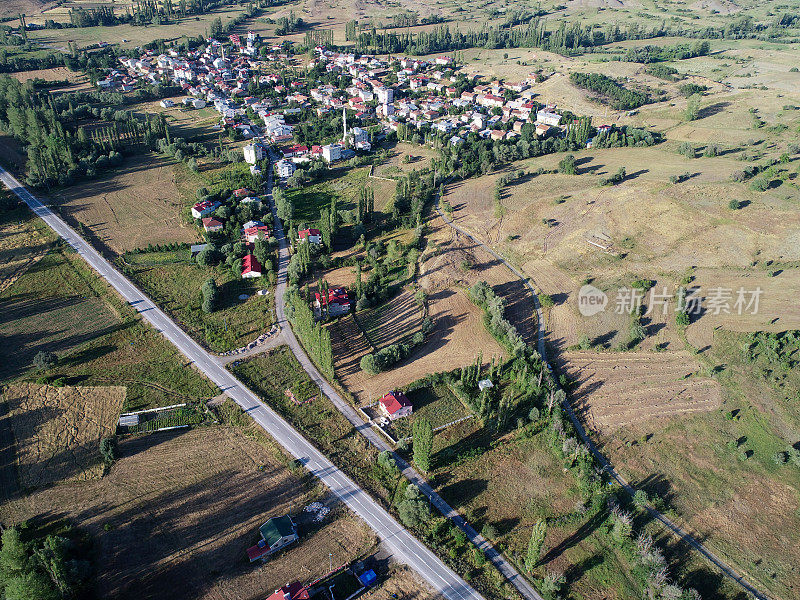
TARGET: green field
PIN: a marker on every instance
(59, 305)
(173, 281)
(435, 403)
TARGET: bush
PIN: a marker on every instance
(44, 360)
(734, 204)
(567, 165)
(489, 531)
(760, 184)
(546, 300)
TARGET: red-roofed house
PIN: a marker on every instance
(312, 236)
(212, 224)
(338, 302)
(396, 405)
(242, 193)
(251, 234)
(251, 267)
(291, 591)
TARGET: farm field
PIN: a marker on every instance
(633, 390)
(174, 282)
(136, 205)
(393, 322)
(22, 243)
(516, 482)
(128, 36)
(58, 430)
(58, 305)
(200, 511)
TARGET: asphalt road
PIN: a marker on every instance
(684, 536)
(497, 559)
(404, 546)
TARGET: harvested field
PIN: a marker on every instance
(21, 245)
(198, 511)
(58, 430)
(626, 390)
(76, 81)
(401, 583)
(777, 310)
(457, 337)
(393, 322)
(136, 205)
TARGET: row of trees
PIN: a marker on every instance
(316, 339)
(619, 96)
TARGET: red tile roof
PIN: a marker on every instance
(335, 296)
(250, 264)
(394, 401)
(291, 591)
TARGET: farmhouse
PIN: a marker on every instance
(337, 302)
(251, 267)
(167, 103)
(276, 533)
(291, 591)
(395, 405)
(312, 236)
(212, 224)
(202, 209)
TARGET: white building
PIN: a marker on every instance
(548, 117)
(253, 153)
(359, 135)
(198, 103)
(332, 152)
(285, 168)
(385, 95)
(166, 103)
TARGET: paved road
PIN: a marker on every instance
(604, 462)
(505, 567)
(404, 546)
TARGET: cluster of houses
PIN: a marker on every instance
(250, 231)
(420, 94)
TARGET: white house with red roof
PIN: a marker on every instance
(395, 405)
(201, 209)
(311, 235)
(251, 234)
(251, 267)
(291, 591)
(212, 224)
(337, 302)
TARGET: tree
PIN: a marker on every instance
(535, 544)
(692, 112)
(210, 293)
(44, 360)
(369, 364)
(567, 165)
(108, 449)
(422, 435)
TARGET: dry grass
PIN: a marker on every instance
(626, 390)
(198, 511)
(136, 205)
(58, 430)
(21, 245)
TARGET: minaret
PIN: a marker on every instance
(344, 118)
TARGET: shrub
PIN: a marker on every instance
(733, 204)
(546, 300)
(44, 360)
(567, 165)
(761, 184)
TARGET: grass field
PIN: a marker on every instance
(199, 511)
(131, 207)
(59, 305)
(174, 282)
(58, 430)
(437, 404)
(128, 36)
(272, 374)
